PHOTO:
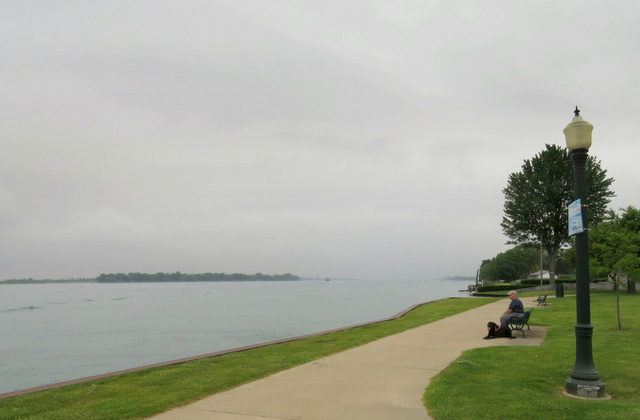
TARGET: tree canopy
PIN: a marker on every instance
(615, 250)
(615, 246)
(513, 264)
(536, 199)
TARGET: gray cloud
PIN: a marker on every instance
(333, 139)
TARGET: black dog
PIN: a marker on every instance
(494, 331)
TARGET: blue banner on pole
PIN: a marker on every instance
(575, 218)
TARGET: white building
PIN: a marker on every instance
(536, 275)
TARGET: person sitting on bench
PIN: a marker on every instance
(516, 308)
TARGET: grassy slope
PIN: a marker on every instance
(144, 393)
(506, 382)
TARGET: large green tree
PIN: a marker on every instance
(615, 250)
(536, 200)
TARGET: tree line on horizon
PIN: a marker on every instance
(182, 277)
(161, 277)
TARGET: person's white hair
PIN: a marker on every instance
(513, 292)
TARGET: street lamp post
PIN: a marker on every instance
(584, 379)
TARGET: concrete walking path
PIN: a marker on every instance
(381, 380)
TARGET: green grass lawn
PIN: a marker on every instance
(522, 382)
(147, 392)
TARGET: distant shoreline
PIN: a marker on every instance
(180, 278)
(176, 277)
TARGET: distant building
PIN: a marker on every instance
(536, 275)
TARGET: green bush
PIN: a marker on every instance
(496, 287)
(525, 283)
(533, 282)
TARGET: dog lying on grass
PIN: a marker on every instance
(494, 331)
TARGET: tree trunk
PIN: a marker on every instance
(631, 287)
(552, 266)
(618, 308)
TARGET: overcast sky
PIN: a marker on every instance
(367, 139)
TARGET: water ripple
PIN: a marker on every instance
(23, 308)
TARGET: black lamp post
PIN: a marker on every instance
(584, 379)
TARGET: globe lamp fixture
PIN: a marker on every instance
(578, 133)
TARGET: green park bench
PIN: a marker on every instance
(542, 300)
(517, 323)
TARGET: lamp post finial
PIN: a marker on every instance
(577, 111)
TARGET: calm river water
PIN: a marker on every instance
(56, 332)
